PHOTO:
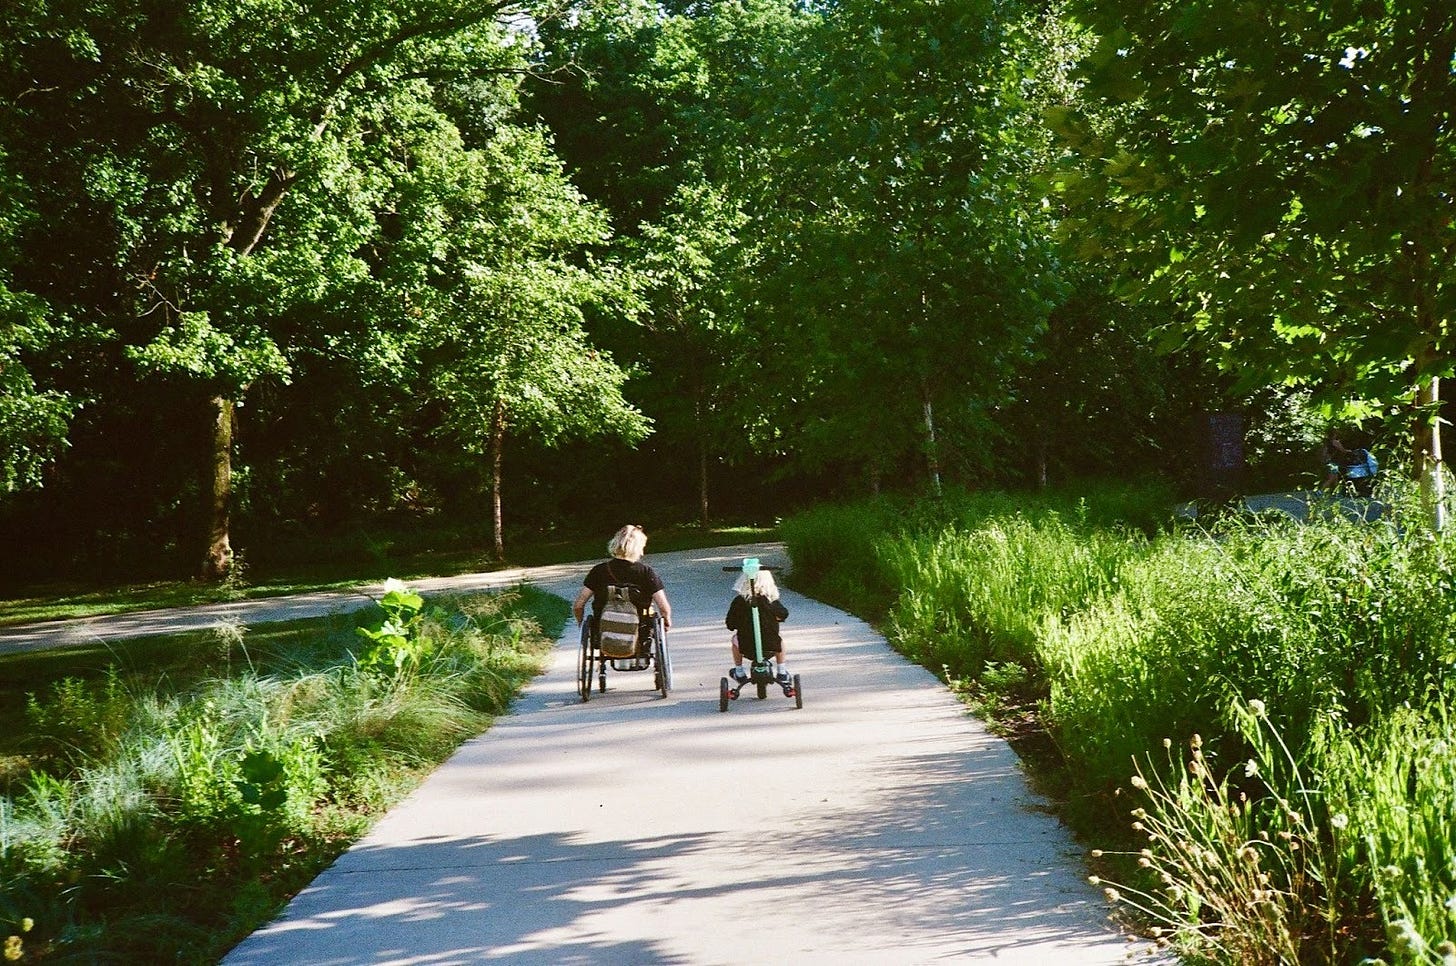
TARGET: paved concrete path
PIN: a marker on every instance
(879, 824)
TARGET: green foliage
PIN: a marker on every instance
(835, 550)
(396, 643)
(78, 719)
(982, 596)
(247, 193)
(1220, 152)
(1297, 659)
(34, 422)
(904, 261)
(219, 801)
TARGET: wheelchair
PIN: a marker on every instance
(651, 654)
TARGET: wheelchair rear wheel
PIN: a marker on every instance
(661, 658)
(584, 663)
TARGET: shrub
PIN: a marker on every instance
(79, 719)
(1328, 832)
(137, 853)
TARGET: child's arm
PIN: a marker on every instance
(735, 609)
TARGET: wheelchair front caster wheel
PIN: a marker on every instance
(723, 694)
(798, 693)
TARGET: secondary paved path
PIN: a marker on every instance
(80, 631)
(879, 824)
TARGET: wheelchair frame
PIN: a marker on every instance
(652, 652)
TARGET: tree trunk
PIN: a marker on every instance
(932, 452)
(698, 421)
(219, 559)
(1428, 469)
(1042, 480)
(497, 447)
(703, 482)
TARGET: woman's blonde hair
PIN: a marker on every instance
(763, 585)
(629, 543)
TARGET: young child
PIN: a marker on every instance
(755, 591)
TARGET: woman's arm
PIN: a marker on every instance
(579, 606)
(663, 608)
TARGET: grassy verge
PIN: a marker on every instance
(351, 566)
(1267, 700)
(168, 795)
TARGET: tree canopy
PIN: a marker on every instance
(272, 271)
(1284, 175)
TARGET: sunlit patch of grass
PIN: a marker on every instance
(171, 806)
(1108, 639)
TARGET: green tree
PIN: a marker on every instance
(1284, 174)
(655, 117)
(685, 263)
(33, 421)
(196, 125)
(902, 243)
(502, 316)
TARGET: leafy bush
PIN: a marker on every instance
(1330, 835)
(181, 831)
(396, 643)
(79, 719)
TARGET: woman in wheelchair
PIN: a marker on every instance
(625, 567)
(762, 594)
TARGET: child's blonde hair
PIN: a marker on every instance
(629, 543)
(763, 584)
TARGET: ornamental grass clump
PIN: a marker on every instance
(985, 595)
(1393, 792)
(162, 825)
(1237, 865)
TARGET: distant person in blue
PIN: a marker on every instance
(1343, 464)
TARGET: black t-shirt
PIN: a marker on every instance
(642, 578)
(770, 613)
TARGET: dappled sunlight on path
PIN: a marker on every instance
(879, 824)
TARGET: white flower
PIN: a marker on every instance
(1257, 706)
(1404, 936)
(1251, 768)
(1339, 820)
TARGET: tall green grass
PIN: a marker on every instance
(163, 824)
(1133, 639)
